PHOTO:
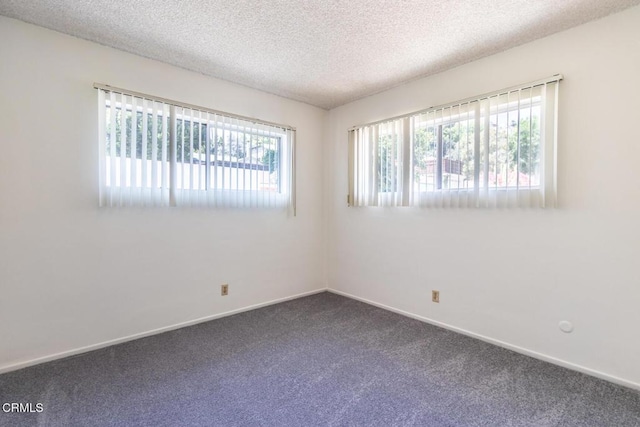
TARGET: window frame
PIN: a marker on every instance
(189, 118)
(478, 109)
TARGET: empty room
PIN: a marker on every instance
(320, 213)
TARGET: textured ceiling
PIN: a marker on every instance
(322, 52)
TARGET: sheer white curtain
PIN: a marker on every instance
(495, 150)
(157, 153)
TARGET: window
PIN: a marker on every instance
(158, 152)
(490, 151)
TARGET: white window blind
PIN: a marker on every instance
(494, 150)
(158, 152)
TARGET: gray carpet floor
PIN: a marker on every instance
(321, 360)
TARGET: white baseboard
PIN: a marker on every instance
(73, 352)
(517, 349)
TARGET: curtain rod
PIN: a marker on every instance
(189, 106)
(554, 78)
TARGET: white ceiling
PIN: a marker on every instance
(322, 52)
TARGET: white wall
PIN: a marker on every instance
(73, 275)
(512, 275)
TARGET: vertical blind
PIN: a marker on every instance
(494, 150)
(157, 152)
(379, 154)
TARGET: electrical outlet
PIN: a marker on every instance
(224, 290)
(435, 296)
